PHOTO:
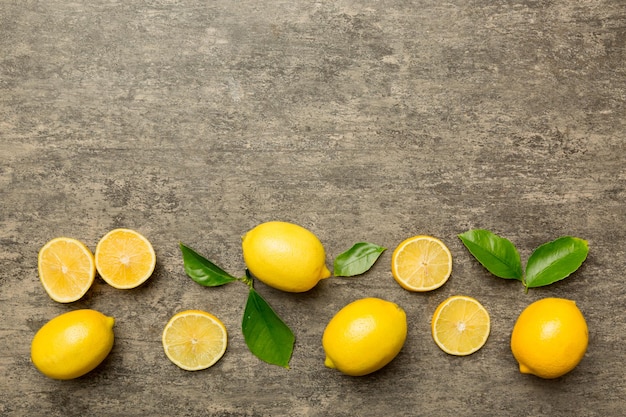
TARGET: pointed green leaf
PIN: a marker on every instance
(495, 253)
(266, 335)
(555, 260)
(357, 260)
(203, 271)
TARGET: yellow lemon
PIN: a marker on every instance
(72, 344)
(285, 256)
(549, 338)
(364, 336)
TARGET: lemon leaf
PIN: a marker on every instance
(357, 260)
(495, 253)
(556, 260)
(203, 271)
(266, 335)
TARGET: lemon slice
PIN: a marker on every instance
(460, 325)
(194, 340)
(66, 269)
(124, 258)
(421, 263)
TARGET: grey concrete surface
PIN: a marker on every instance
(193, 121)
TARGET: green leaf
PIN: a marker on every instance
(203, 271)
(266, 335)
(555, 260)
(495, 253)
(357, 260)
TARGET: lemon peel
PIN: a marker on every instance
(72, 344)
(285, 256)
(364, 336)
(550, 338)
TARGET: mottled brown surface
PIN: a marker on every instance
(193, 121)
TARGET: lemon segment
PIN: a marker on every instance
(66, 269)
(194, 340)
(124, 258)
(460, 325)
(421, 263)
(364, 336)
(72, 344)
(285, 256)
(550, 338)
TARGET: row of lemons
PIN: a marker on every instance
(548, 339)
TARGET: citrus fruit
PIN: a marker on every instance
(285, 256)
(194, 339)
(364, 336)
(421, 263)
(124, 258)
(549, 338)
(66, 269)
(460, 325)
(72, 344)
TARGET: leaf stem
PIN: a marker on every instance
(247, 279)
(524, 284)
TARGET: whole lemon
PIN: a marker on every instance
(285, 256)
(72, 344)
(549, 338)
(364, 336)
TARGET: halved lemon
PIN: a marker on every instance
(124, 258)
(421, 263)
(66, 269)
(194, 339)
(460, 325)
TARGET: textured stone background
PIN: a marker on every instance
(193, 121)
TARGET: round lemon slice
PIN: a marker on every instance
(460, 325)
(194, 339)
(124, 258)
(66, 269)
(421, 263)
